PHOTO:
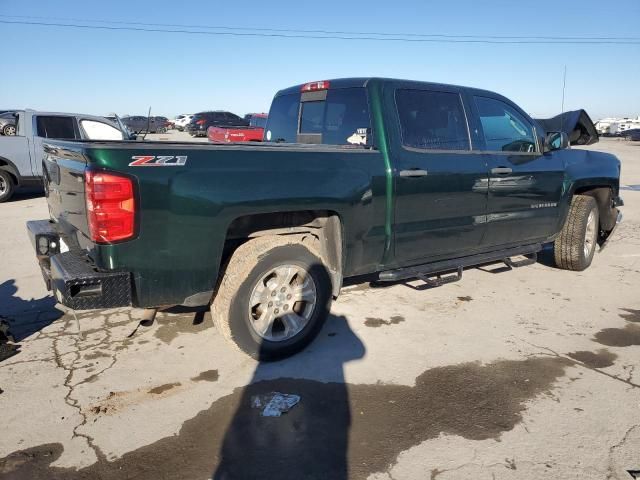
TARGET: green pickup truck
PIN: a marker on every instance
(361, 176)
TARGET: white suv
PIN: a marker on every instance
(181, 121)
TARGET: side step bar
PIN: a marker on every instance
(427, 270)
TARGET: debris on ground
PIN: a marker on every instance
(274, 404)
(7, 350)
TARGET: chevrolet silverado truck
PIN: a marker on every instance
(362, 177)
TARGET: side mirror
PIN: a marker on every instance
(556, 141)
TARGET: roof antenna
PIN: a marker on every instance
(564, 85)
(149, 122)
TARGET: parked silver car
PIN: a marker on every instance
(22, 154)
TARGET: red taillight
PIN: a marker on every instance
(315, 86)
(110, 206)
(200, 122)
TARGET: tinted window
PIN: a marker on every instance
(432, 120)
(312, 117)
(342, 118)
(504, 128)
(282, 125)
(56, 127)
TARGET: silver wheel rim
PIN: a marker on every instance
(590, 235)
(282, 302)
(11, 130)
(3, 186)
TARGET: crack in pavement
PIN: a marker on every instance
(553, 353)
(70, 368)
(68, 399)
(610, 472)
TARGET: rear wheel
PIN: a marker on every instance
(274, 297)
(7, 186)
(576, 245)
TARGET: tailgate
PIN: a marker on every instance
(63, 172)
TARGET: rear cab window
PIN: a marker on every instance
(54, 126)
(337, 116)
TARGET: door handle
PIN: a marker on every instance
(501, 170)
(413, 173)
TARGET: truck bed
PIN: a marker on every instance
(184, 211)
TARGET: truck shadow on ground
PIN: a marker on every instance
(24, 317)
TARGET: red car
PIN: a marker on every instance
(253, 133)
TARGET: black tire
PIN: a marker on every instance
(569, 247)
(245, 270)
(9, 130)
(7, 186)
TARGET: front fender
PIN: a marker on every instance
(589, 171)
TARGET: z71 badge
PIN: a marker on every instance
(158, 161)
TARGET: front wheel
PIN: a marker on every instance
(274, 297)
(575, 246)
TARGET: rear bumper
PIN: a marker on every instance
(72, 276)
(198, 131)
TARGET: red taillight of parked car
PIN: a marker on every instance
(111, 206)
(200, 122)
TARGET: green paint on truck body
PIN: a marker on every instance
(184, 212)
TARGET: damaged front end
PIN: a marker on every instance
(576, 124)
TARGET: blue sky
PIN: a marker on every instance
(98, 72)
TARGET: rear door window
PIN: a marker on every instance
(342, 118)
(56, 127)
(432, 120)
(505, 130)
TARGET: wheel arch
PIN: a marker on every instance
(323, 228)
(604, 194)
(8, 166)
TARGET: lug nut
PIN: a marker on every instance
(276, 311)
(273, 294)
(286, 307)
(270, 304)
(289, 297)
(283, 289)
